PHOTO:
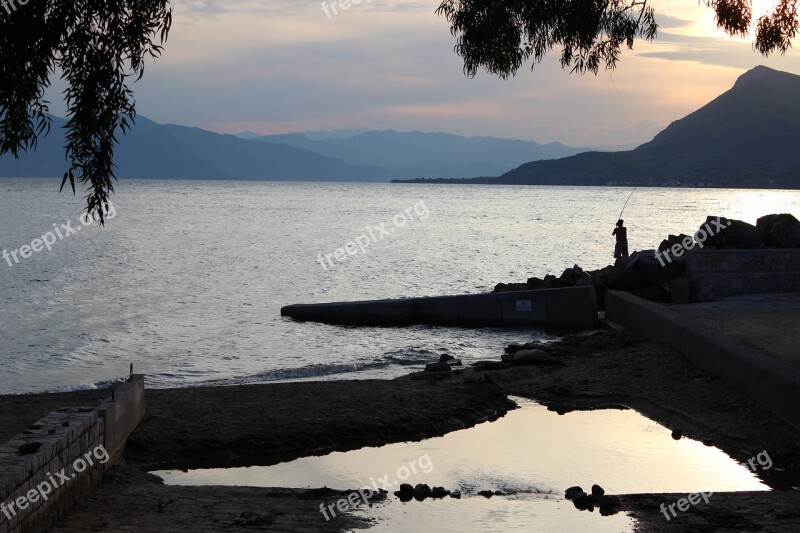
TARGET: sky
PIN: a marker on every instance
(278, 66)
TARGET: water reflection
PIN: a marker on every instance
(531, 454)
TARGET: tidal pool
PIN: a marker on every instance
(531, 454)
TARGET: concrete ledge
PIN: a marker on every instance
(772, 383)
(122, 414)
(572, 307)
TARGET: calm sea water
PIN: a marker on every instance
(187, 280)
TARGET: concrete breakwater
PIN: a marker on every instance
(573, 307)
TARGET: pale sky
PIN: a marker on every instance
(276, 66)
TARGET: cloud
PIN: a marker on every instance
(280, 66)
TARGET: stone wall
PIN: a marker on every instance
(716, 274)
(53, 463)
(33, 494)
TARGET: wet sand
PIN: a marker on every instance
(266, 424)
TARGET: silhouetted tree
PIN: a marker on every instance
(95, 45)
(500, 35)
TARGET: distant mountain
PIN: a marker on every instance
(247, 134)
(746, 137)
(167, 151)
(316, 135)
(416, 154)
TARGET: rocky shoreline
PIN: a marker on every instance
(649, 273)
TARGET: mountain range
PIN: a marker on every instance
(420, 154)
(746, 137)
(169, 151)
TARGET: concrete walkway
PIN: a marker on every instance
(748, 341)
(768, 323)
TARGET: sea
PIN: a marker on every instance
(186, 280)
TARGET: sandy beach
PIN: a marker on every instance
(266, 424)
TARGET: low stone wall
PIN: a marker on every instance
(719, 273)
(772, 383)
(121, 414)
(56, 461)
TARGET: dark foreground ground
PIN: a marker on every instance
(266, 424)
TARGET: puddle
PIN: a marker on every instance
(531, 454)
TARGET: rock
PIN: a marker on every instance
(608, 501)
(779, 231)
(606, 278)
(505, 287)
(721, 232)
(550, 281)
(482, 366)
(405, 493)
(672, 240)
(534, 357)
(439, 492)
(486, 493)
(514, 348)
(535, 283)
(449, 359)
(421, 491)
(645, 270)
(437, 367)
(584, 502)
(568, 277)
(609, 505)
(597, 490)
(677, 434)
(584, 280)
(456, 494)
(572, 492)
(29, 447)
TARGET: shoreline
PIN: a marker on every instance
(248, 425)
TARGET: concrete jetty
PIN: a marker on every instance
(572, 307)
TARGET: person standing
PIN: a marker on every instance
(621, 248)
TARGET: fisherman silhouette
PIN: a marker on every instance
(621, 248)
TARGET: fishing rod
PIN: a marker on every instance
(626, 202)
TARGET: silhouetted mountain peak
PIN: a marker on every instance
(762, 74)
(747, 136)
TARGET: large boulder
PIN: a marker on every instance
(568, 277)
(582, 279)
(535, 283)
(645, 271)
(437, 367)
(606, 278)
(780, 231)
(721, 232)
(672, 240)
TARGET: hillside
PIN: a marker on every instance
(152, 150)
(746, 137)
(169, 151)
